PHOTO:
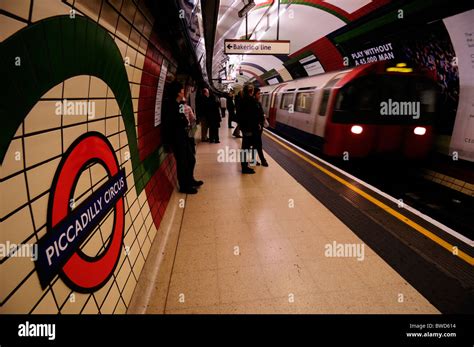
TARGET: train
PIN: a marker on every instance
(381, 108)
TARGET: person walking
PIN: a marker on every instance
(257, 141)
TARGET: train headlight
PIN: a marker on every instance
(356, 129)
(419, 131)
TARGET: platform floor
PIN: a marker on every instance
(257, 244)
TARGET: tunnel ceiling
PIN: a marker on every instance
(303, 22)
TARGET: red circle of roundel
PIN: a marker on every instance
(88, 274)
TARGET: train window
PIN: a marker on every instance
(324, 102)
(286, 101)
(361, 95)
(304, 100)
(326, 95)
(265, 98)
(361, 100)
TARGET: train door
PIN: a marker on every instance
(322, 111)
(265, 101)
(285, 106)
(303, 117)
(272, 112)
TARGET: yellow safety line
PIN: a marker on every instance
(466, 257)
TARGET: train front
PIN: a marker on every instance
(383, 110)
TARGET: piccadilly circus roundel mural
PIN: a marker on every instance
(82, 185)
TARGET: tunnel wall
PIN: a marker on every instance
(79, 109)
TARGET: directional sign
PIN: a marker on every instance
(256, 47)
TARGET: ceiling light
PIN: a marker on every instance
(249, 4)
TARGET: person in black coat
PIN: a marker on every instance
(248, 122)
(213, 117)
(175, 129)
(257, 141)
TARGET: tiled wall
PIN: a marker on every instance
(32, 155)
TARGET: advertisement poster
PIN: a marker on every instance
(461, 31)
(159, 92)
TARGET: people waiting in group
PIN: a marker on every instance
(257, 141)
(180, 125)
(176, 134)
(208, 116)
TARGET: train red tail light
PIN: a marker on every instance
(356, 129)
(419, 131)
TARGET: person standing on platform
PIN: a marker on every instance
(214, 118)
(257, 141)
(201, 113)
(238, 100)
(191, 130)
(248, 122)
(223, 105)
(230, 109)
(175, 125)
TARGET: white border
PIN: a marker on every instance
(385, 195)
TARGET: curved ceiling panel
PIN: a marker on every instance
(303, 22)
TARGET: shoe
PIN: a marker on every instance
(217, 141)
(248, 171)
(188, 191)
(231, 127)
(258, 163)
(238, 136)
(264, 163)
(197, 183)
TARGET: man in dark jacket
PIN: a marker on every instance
(213, 116)
(248, 122)
(175, 126)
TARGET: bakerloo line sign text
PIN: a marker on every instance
(57, 246)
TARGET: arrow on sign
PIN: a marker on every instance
(229, 46)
